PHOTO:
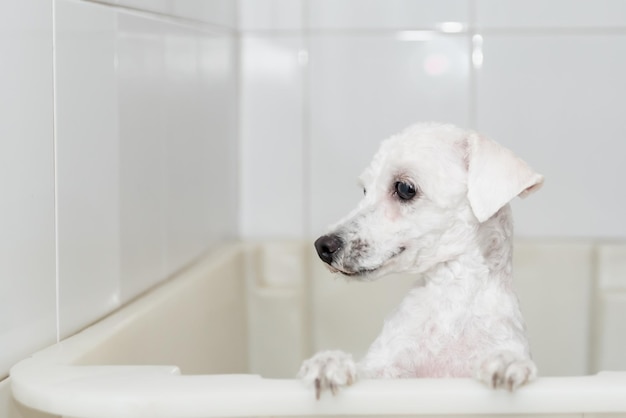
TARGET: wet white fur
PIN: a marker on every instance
(462, 317)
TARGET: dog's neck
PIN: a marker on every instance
(495, 238)
(487, 257)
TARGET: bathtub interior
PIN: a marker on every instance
(197, 321)
(262, 308)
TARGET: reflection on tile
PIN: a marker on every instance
(218, 96)
(556, 101)
(552, 13)
(215, 12)
(140, 77)
(139, 167)
(366, 88)
(170, 210)
(272, 195)
(186, 151)
(270, 15)
(87, 164)
(386, 14)
(27, 255)
(200, 152)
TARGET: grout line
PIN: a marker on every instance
(554, 31)
(467, 30)
(473, 87)
(306, 136)
(593, 315)
(351, 31)
(308, 318)
(55, 173)
(238, 40)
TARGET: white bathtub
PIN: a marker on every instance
(226, 336)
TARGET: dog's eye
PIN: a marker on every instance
(405, 191)
(364, 191)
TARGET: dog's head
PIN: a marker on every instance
(426, 192)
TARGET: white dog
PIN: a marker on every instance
(436, 204)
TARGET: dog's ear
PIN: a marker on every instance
(495, 177)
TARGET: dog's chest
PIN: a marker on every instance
(435, 332)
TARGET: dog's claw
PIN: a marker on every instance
(328, 370)
(510, 384)
(508, 371)
(494, 381)
(333, 389)
(318, 388)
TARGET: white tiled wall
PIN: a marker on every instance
(534, 14)
(141, 68)
(27, 255)
(87, 164)
(271, 119)
(350, 111)
(144, 106)
(549, 86)
(144, 122)
(559, 101)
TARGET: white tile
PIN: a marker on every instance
(365, 88)
(612, 267)
(386, 14)
(27, 255)
(558, 103)
(610, 332)
(186, 150)
(271, 129)
(219, 98)
(177, 90)
(554, 282)
(158, 6)
(200, 144)
(87, 164)
(215, 12)
(270, 14)
(140, 77)
(550, 13)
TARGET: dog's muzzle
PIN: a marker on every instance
(328, 246)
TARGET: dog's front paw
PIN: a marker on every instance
(328, 370)
(507, 370)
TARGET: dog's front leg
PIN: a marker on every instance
(329, 370)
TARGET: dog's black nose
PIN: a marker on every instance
(327, 246)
